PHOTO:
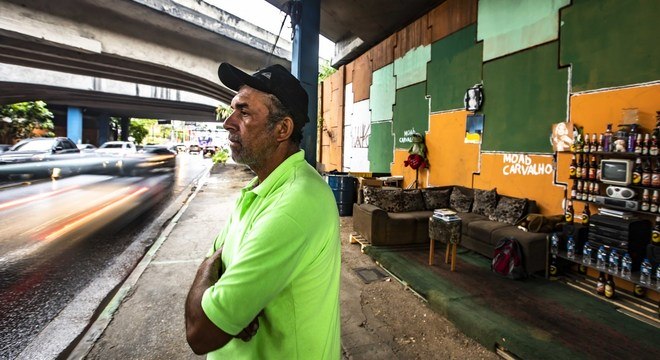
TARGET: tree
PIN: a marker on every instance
(222, 112)
(139, 128)
(325, 71)
(24, 120)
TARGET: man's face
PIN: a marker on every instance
(251, 139)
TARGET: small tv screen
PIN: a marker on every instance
(616, 171)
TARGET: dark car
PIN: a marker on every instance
(194, 149)
(40, 157)
(38, 149)
(209, 150)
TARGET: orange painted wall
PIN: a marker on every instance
(522, 175)
(595, 110)
(451, 160)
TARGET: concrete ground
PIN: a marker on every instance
(381, 317)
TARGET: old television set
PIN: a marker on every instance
(616, 171)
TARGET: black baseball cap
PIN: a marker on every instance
(274, 79)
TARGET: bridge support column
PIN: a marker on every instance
(125, 121)
(305, 67)
(74, 124)
(104, 128)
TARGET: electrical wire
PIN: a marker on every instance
(287, 6)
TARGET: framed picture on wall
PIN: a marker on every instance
(562, 136)
(474, 128)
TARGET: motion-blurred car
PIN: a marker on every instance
(180, 147)
(194, 149)
(4, 147)
(40, 158)
(86, 147)
(117, 148)
(38, 149)
(151, 159)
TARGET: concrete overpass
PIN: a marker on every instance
(117, 98)
(175, 44)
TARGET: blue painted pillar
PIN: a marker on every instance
(104, 128)
(305, 67)
(125, 121)
(74, 124)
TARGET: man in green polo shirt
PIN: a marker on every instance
(269, 288)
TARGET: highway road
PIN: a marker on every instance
(78, 235)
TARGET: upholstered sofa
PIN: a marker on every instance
(394, 216)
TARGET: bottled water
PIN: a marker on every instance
(657, 277)
(554, 243)
(570, 247)
(645, 272)
(614, 262)
(626, 266)
(586, 254)
(601, 257)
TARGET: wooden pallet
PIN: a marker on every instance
(356, 238)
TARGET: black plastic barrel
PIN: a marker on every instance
(343, 187)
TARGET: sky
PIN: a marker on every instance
(269, 18)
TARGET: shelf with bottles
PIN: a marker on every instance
(634, 277)
(628, 139)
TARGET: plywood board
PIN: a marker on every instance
(525, 94)
(362, 77)
(383, 53)
(454, 67)
(411, 114)
(611, 42)
(383, 90)
(451, 16)
(381, 147)
(411, 68)
(508, 26)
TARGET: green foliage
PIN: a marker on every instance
(24, 120)
(138, 130)
(325, 71)
(221, 156)
(222, 112)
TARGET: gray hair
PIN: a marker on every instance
(277, 112)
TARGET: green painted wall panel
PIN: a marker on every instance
(383, 89)
(525, 94)
(411, 114)
(381, 147)
(455, 66)
(611, 42)
(411, 68)
(507, 26)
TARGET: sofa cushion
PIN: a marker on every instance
(459, 201)
(412, 200)
(467, 218)
(485, 202)
(388, 199)
(481, 230)
(509, 210)
(436, 198)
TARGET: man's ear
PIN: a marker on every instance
(284, 129)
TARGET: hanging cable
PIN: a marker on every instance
(286, 8)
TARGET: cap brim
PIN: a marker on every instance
(234, 78)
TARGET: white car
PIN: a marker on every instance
(117, 148)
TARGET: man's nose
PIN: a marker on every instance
(229, 121)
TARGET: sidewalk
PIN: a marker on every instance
(381, 319)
